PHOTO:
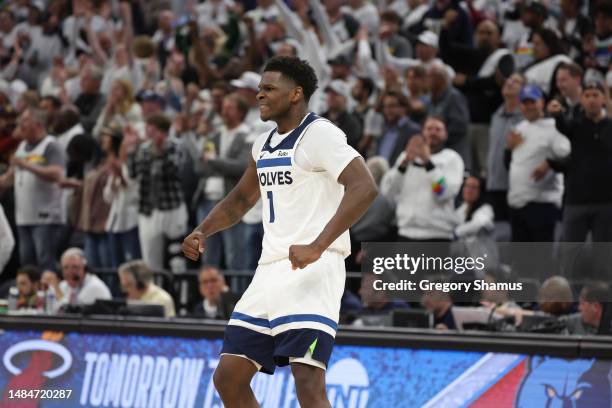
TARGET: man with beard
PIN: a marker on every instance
(423, 184)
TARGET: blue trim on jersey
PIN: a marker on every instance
(250, 319)
(257, 321)
(303, 318)
(288, 142)
(275, 162)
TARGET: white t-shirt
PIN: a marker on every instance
(93, 288)
(210, 310)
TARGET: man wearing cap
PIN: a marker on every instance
(151, 103)
(338, 94)
(535, 191)
(588, 202)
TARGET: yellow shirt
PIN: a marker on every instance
(157, 296)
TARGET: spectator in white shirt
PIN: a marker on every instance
(78, 287)
(423, 185)
(122, 196)
(535, 191)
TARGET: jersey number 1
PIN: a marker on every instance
(271, 206)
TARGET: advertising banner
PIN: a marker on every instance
(53, 369)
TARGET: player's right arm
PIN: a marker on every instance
(228, 212)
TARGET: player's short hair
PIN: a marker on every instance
(298, 70)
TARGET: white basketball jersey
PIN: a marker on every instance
(297, 204)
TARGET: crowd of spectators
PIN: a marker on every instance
(123, 123)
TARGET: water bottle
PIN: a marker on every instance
(12, 299)
(40, 301)
(50, 301)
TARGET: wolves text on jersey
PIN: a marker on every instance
(275, 178)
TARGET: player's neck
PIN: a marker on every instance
(291, 120)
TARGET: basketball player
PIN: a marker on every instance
(314, 187)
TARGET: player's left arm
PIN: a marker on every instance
(360, 191)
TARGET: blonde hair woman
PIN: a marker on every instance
(121, 108)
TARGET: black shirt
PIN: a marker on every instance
(589, 166)
(483, 93)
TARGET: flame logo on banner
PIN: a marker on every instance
(39, 369)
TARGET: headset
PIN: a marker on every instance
(75, 251)
(141, 273)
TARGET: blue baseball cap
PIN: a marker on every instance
(147, 95)
(530, 92)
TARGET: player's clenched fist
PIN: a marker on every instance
(303, 255)
(193, 245)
